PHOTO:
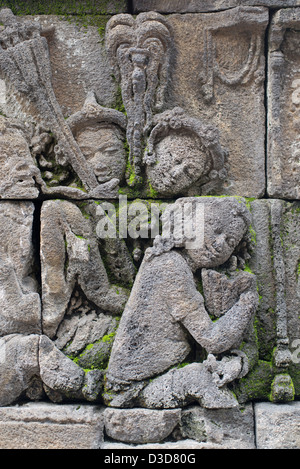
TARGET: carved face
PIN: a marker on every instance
(103, 148)
(224, 228)
(17, 169)
(180, 162)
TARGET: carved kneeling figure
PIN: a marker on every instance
(165, 314)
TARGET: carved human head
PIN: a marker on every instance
(18, 173)
(182, 151)
(100, 134)
(224, 224)
(103, 147)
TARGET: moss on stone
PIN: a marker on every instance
(282, 389)
(256, 384)
(95, 356)
(294, 372)
(62, 7)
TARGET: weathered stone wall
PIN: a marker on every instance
(150, 215)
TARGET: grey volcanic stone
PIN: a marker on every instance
(202, 6)
(18, 365)
(232, 427)
(69, 257)
(67, 7)
(140, 425)
(284, 105)
(277, 425)
(51, 426)
(77, 59)
(217, 87)
(20, 306)
(151, 341)
(275, 262)
(57, 371)
(183, 444)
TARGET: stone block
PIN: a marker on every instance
(69, 66)
(50, 426)
(284, 105)
(20, 310)
(75, 278)
(275, 262)
(195, 125)
(169, 445)
(204, 6)
(229, 427)
(140, 426)
(218, 76)
(277, 425)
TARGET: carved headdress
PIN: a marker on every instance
(139, 53)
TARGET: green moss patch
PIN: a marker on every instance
(65, 7)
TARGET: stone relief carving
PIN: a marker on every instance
(63, 150)
(139, 51)
(283, 110)
(30, 363)
(164, 304)
(183, 153)
(151, 323)
(239, 22)
(26, 67)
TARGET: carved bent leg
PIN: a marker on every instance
(179, 387)
(70, 255)
(201, 382)
(57, 371)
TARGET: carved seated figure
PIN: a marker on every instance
(70, 256)
(30, 362)
(166, 315)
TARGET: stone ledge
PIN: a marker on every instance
(51, 426)
(204, 6)
(75, 426)
(277, 425)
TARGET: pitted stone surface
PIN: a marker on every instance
(203, 6)
(140, 425)
(277, 425)
(49, 426)
(176, 329)
(233, 427)
(284, 105)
